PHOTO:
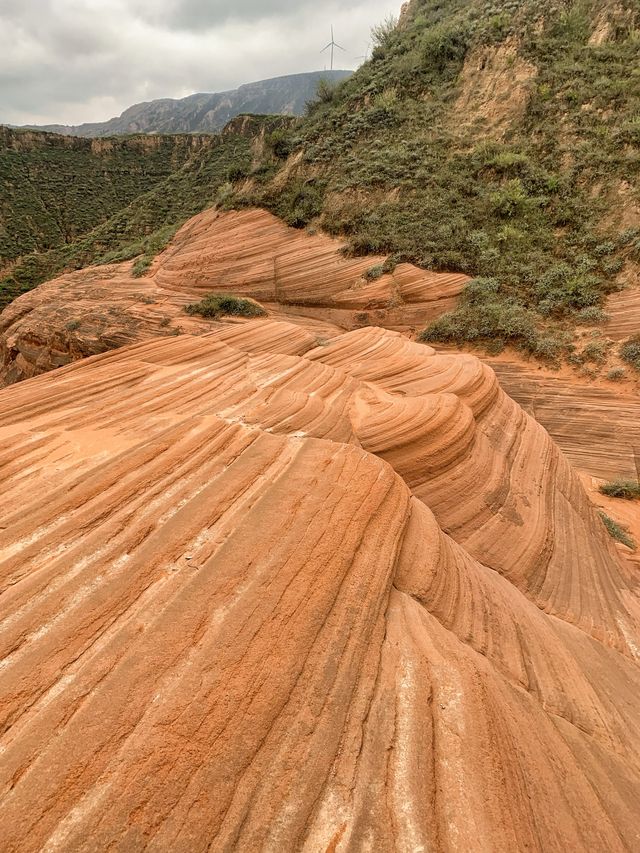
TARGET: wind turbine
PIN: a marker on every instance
(332, 44)
(365, 55)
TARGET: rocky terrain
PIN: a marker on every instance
(209, 113)
(244, 607)
(305, 581)
(306, 279)
(248, 253)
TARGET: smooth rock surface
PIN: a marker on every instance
(258, 594)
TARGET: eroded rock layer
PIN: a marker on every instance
(623, 309)
(249, 253)
(598, 428)
(258, 594)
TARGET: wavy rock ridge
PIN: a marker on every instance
(249, 253)
(266, 595)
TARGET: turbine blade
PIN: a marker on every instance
(337, 45)
(326, 48)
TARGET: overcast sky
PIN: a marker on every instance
(72, 61)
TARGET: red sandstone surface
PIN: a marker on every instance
(259, 594)
(250, 253)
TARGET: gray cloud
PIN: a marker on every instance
(70, 61)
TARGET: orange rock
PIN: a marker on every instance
(258, 594)
(249, 253)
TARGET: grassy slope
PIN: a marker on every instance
(389, 160)
(142, 227)
(53, 190)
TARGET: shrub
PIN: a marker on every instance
(223, 304)
(374, 273)
(630, 352)
(629, 490)
(487, 315)
(591, 315)
(141, 266)
(510, 162)
(616, 374)
(280, 143)
(381, 33)
(511, 200)
(596, 351)
(617, 531)
(325, 94)
(484, 314)
(444, 45)
(299, 203)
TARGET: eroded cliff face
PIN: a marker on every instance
(262, 594)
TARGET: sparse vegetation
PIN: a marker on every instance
(374, 273)
(141, 266)
(629, 490)
(382, 32)
(487, 316)
(392, 163)
(630, 352)
(223, 304)
(617, 531)
(616, 374)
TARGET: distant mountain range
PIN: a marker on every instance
(204, 113)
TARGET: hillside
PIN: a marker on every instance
(141, 208)
(209, 113)
(54, 189)
(501, 141)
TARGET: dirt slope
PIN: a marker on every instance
(233, 619)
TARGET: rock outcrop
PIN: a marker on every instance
(598, 428)
(246, 253)
(260, 594)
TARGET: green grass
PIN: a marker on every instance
(224, 305)
(617, 531)
(627, 489)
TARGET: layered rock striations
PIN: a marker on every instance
(261, 594)
(247, 253)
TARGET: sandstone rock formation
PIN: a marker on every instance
(597, 428)
(259, 594)
(248, 253)
(623, 309)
